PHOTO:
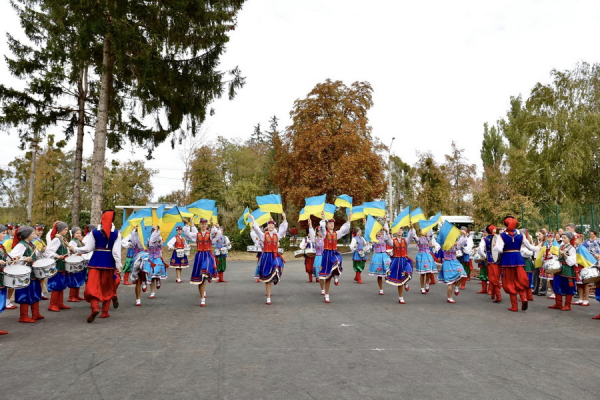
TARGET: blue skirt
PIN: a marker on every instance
(452, 271)
(29, 295)
(380, 264)
(317, 265)
(270, 267)
(3, 292)
(205, 268)
(357, 257)
(178, 262)
(400, 272)
(425, 264)
(564, 286)
(77, 279)
(331, 264)
(155, 269)
(58, 282)
(597, 292)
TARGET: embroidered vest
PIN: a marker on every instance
(400, 248)
(330, 240)
(179, 242)
(271, 243)
(203, 241)
(102, 257)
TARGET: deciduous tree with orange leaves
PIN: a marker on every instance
(329, 147)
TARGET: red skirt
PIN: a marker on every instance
(101, 285)
(514, 280)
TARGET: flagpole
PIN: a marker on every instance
(390, 196)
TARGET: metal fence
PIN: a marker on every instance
(586, 217)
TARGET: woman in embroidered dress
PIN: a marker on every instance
(359, 247)
(401, 267)
(205, 267)
(331, 262)
(77, 279)
(380, 261)
(425, 263)
(155, 267)
(452, 271)
(58, 248)
(134, 246)
(317, 239)
(176, 243)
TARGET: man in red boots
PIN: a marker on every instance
(514, 277)
(493, 271)
(105, 264)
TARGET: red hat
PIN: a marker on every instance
(490, 229)
(271, 222)
(510, 222)
(106, 221)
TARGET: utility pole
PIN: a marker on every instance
(390, 194)
(34, 149)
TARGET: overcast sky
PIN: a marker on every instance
(439, 69)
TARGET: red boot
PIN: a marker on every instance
(557, 302)
(60, 298)
(463, 282)
(73, 296)
(483, 287)
(529, 295)
(3, 333)
(35, 311)
(77, 296)
(359, 278)
(309, 278)
(567, 306)
(498, 297)
(514, 304)
(222, 278)
(126, 279)
(53, 306)
(596, 317)
(489, 288)
(95, 311)
(356, 276)
(431, 279)
(524, 301)
(105, 307)
(24, 314)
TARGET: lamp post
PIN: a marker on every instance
(390, 195)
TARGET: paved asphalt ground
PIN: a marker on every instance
(360, 346)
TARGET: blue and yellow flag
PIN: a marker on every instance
(344, 201)
(358, 212)
(303, 216)
(554, 249)
(204, 208)
(375, 208)
(416, 215)
(260, 217)
(448, 235)
(584, 257)
(329, 210)
(270, 203)
(157, 215)
(242, 221)
(402, 220)
(315, 205)
(427, 225)
(144, 233)
(372, 228)
(127, 226)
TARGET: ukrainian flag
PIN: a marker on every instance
(372, 228)
(403, 219)
(358, 212)
(157, 215)
(242, 221)
(375, 208)
(303, 216)
(260, 217)
(448, 235)
(270, 203)
(427, 225)
(315, 205)
(554, 249)
(204, 208)
(584, 257)
(127, 226)
(135, 219)
(416, 215)
(344, 201)
(329, 211)
(215, 217)
(144, 233)
(169, 221)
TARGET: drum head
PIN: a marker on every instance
(495, 253)
(17, 270)
(74, 259)
(44, 262)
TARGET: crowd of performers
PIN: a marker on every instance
(47, 268)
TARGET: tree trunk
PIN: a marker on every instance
(100, 136)
(82, 87)
(34, 148)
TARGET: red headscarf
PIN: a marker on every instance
(106, 221)
(53, 233)
(490, 229)
(511, 223)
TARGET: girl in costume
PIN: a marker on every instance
(58, 248)
(222, 245)
(582, 288)
(155, 266)
(3, 260)
(380, 261)
(401, 267)
(205, 267)
(493, 271)
(309, 260)
(425, 263)
(528, 258)
(317, 239)
(359, 247)
(178, 242)
(270, 263)
(134, 246)
(259, 245)
(452, 271)
(331, 261)
(564, 282)
(76, 280)
(465, 258)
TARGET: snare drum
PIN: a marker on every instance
(552, 266)
(390, 252)
(73, 264)
(590, 275)
(17, 276)
(298, 253)
(180, 252)
(280, 250)
(252, 249)
(217, 252)
(361, 253)
(86, 259)
(224, 251)
(44, 268)
(310, 252)
(187, 251)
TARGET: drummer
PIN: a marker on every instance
(309, 260)
(8, 244)
(222, 246)
(76, 279)
(3, 259)
(30, 295)
(178, 242)
(258, 243)
(38, 229)
(58, 249)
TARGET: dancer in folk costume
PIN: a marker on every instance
(75, 280)
(133, 245)
(331, 261)
(514, 277)
(39, 243)
(8, 244)
(452, 271)
(528, 259)
(493, 270)
(309, 259)
(205, 267)
(270, 263)
(138, 275)
(104, 268)
(31, 295)
(465, 258)
(3, 259)
(222, 247)
(179, 245)
(582, 288)
(401, 267)
(425, 262)
(564, 282)
(359, 248)
(258, 243)
(155, 268)
(380, 261)
(317, 239)
(58, 249)
(482, 264)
